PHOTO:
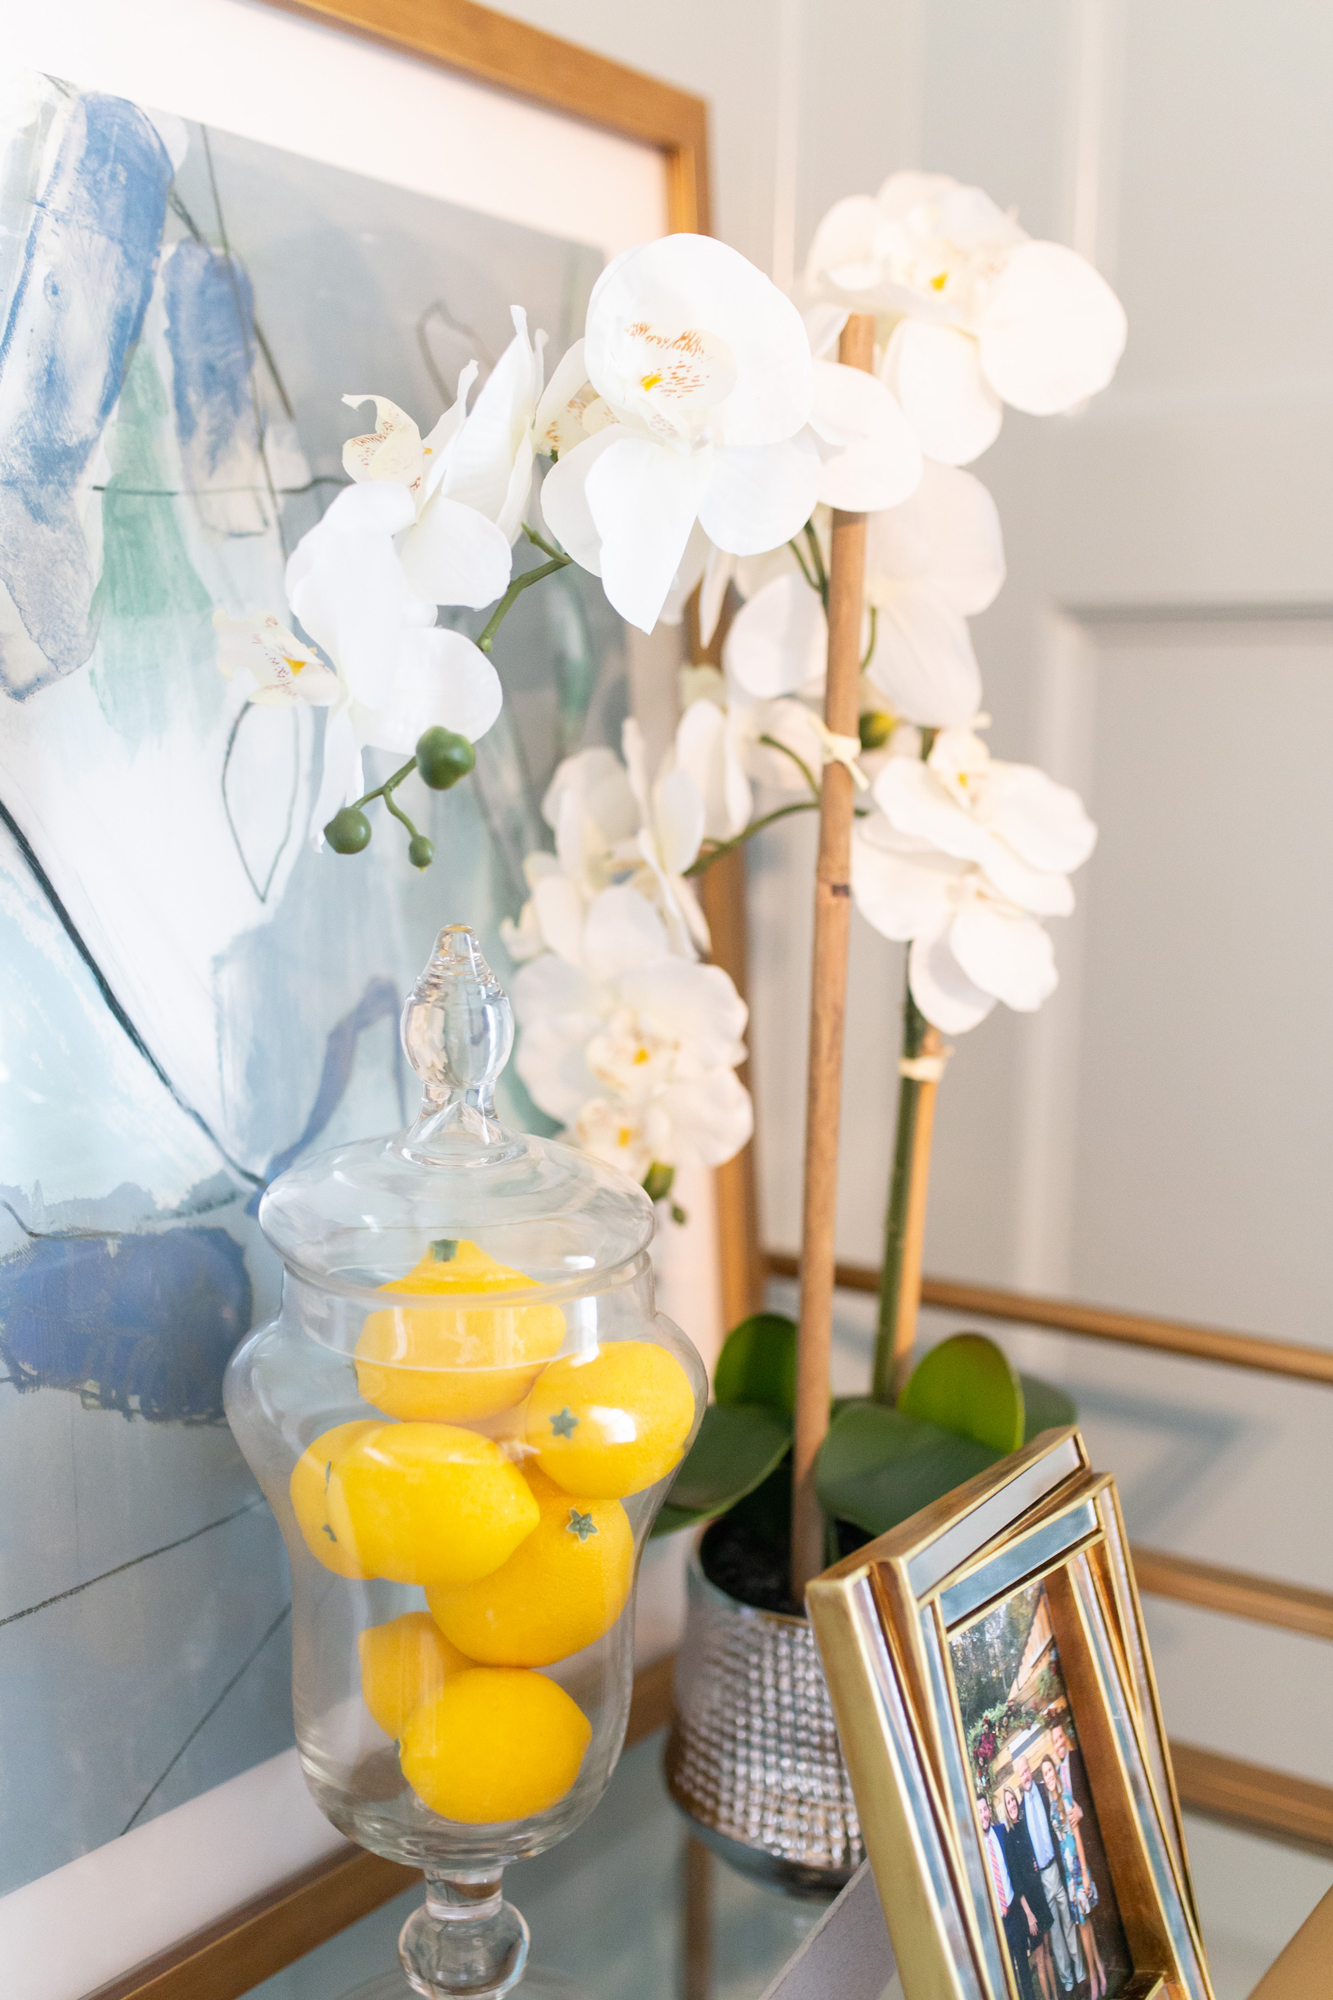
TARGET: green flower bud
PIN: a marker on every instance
(443, 758)
(657, 1181)
(420, 851)
(348, 831)
(874, 728)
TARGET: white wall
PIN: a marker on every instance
(1161, 1136)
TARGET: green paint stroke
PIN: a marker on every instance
(154, 669)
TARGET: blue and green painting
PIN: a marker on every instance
(192, 994)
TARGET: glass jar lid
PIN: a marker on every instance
(354, 1218)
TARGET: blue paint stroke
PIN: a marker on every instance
(84, 284)
(211, 337)
(380, 1001)
(140, 1324)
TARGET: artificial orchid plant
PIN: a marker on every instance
(697, 439)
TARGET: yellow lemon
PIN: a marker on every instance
(495, 1743)
(403, 1664)
(561, 1589)
(611, 1421)
(428, 1503)
(461, 1361)
(312, 1480)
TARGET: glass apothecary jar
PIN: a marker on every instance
(465, 1418)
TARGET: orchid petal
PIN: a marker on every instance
(695, 1004)
(1008, 955)
(596, 781)
(644, 498)
(622, 930)
(946, 996)
(901, 894)
(678, 820)
(340, 779)
(693, 564)
(948, 533)
(935, 372)
(564, 499)
(706, 748)
(436, 447)
(824, 322)
(1043, 822)
(557, 425)
(280, 668)
(760, 497)
(711, 1118)
(869, 455)
(440, 679)
(454, 555)
(923, 662)
(490, 442)
(347, 587)
(391, 451)
(1052, 330)
(559, 914)
(778, 642)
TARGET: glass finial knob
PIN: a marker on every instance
(457, 1030)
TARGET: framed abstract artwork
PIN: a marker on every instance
(215, 219)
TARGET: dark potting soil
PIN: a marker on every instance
(748, 1566)
(755, 1567)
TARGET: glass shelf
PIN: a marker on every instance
(615, 1908)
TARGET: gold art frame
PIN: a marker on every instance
(883, 1618)
(238, 1951)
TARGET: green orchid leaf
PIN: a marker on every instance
(736, 1449)
(1046, 1408)
(758, 1364)
(878, 1465)
(969, 1386)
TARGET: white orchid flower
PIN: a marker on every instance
(699, 386)
(398, 673)
(729, 742)
(280, 667)
(671, 810)
(630, 1046)
(963, 856)
(615, 826)
(470, 480)
(931, 564)
(980, 314)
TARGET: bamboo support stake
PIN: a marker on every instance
(919, 1093)
(828, 1002)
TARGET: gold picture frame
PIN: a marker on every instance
(1031, 1554)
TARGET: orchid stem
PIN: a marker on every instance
(721, 847)
(799, 762)
(389, 786)
(874, 621)
(883, 1386)
(817, 558)
(539, 541)
(515, 590)
(910, 1160)
(802, 564)
(398, 812)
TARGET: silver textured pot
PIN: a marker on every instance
(753, 1756)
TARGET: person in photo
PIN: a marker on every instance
(1020, 1925)
(1026, 1880)
(1079, 1886)
(1064, 1939)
